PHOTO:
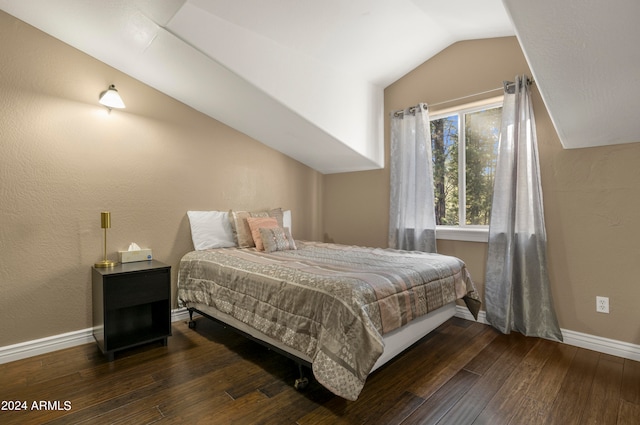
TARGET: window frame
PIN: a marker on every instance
(463, 231)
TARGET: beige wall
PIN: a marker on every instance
(591, 196)
(63, 159)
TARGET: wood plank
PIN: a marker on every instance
(489, 355)
(146, 416)
(114, 384)
(631, 381)
(575, 391)
(159, 396)
(435, 377)
(544, 389)
(66, 362)
(530, 412)
(241, 411)
(403, 407)
(432, 411)
(287, 406)
(629, 413)
(476, 399)
(510, 397)
(388, 383)
(602, 406)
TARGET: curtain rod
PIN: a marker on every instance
(504, 87)
(412, 110)
(466, 97)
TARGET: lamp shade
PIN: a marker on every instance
(111, 99)
(105, 220)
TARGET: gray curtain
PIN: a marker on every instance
(517, 294)
(412, 221)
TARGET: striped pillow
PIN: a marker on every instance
(240, 227)
(277, 239)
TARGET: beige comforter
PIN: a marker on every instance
(331, 302)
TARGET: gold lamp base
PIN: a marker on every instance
(105, 263)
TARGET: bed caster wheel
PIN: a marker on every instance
(301, 384)
(192, 324)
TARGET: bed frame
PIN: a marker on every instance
(395, 342)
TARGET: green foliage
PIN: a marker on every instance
(482, 130)
(444, 139)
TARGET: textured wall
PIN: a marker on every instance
(63, 159)
(591, 196)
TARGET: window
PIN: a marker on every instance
(465, 148)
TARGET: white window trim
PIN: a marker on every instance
(463, 233)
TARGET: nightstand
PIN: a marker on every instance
(131, 305)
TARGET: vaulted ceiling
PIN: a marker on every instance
(307, 77)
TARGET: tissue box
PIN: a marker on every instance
(132, 256)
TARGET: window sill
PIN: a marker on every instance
(468, 234)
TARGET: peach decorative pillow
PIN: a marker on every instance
(257, 223)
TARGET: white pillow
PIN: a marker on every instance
(286, 219)
(210, 229)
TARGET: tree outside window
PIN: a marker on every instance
(465, 147)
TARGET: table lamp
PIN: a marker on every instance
(105, 223)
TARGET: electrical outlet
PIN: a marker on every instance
(602, 304)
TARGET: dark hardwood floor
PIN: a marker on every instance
(463, 373)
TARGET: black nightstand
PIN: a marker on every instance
(131, 305)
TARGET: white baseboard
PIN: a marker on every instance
(464, 313)
(27, 349)
(179, 314)
(622, 349)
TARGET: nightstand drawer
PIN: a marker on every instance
(136, 288)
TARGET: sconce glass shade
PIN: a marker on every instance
(111, 99)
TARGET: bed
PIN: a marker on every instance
(344, 311)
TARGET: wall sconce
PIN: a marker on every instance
(111, 99)
(105, 223)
